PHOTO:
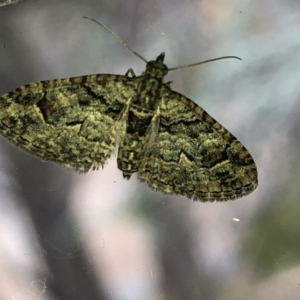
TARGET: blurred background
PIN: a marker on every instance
(97, 236)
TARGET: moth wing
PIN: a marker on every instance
(69, 121)
(189, 153)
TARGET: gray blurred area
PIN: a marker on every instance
(96, 236)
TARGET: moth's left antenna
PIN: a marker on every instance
(117, 38)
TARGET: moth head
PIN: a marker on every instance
(157, 68)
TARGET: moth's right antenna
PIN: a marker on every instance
(203, 62)
(117, 38)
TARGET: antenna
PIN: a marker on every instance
(203, 62)
(117, 38)
(143, 59)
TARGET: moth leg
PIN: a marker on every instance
(130, 72)
(168, 84)
(121, 123)
(126, 175)
(151, 133)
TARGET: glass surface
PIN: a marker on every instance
(97, 236)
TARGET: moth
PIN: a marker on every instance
(168, 140)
